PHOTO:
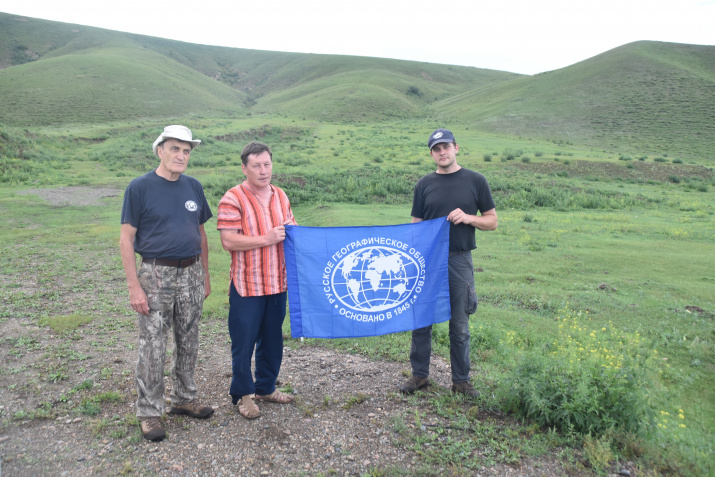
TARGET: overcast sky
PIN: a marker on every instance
(521, 36)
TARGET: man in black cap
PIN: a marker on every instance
(464, 197)
(163, 220)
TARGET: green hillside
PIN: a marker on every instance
(650, 96)
(346, 87)
(108, 84)
(657, 98)
(366, 92)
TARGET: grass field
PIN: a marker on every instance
(613, 254)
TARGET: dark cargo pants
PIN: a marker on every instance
(463, 302)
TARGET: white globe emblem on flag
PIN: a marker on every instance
(375, 278)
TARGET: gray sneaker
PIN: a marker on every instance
(413, 384)
(152, 429)
(465, 388)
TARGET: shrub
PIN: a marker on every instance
(587, 380)
(526, 159)
(624, 157)
(487, 157)
(538, 153)
(643, 158)
(660, 159)
(414, 91)
(527, 196)
(18, 171)
(677, 161)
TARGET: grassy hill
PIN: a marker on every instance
(650, 97)
(375, 88)
(108, 84)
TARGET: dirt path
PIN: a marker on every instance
(343, 421)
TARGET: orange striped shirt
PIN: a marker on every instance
(261, 271)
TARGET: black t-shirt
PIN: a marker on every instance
(166, 214)
(436, 195)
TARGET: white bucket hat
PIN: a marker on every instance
(182, 133)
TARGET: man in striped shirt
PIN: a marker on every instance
(251, 220)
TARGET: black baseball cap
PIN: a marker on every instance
(440, 135)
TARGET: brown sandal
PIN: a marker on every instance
(276, 396)
(247, 408)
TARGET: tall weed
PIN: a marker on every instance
(589, 380)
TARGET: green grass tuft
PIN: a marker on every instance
(66, 323)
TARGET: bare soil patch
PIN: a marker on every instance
(75, 196)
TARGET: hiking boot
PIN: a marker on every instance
(413, 384)
(152, 429)
(465, 388)
(192, 408)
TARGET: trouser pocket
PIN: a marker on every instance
(472, 301)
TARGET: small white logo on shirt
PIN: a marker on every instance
(438, 135)
(191, 206)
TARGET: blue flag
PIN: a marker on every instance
(347, 282)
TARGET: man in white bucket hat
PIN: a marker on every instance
(163, 220)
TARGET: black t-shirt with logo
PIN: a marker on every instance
(166, 214)
(436, 195)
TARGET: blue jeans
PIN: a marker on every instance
(463, 302)
(255, 322)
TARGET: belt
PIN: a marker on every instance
(183, 263)
(459, 252)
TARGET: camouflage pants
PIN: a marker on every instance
(176, 297)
